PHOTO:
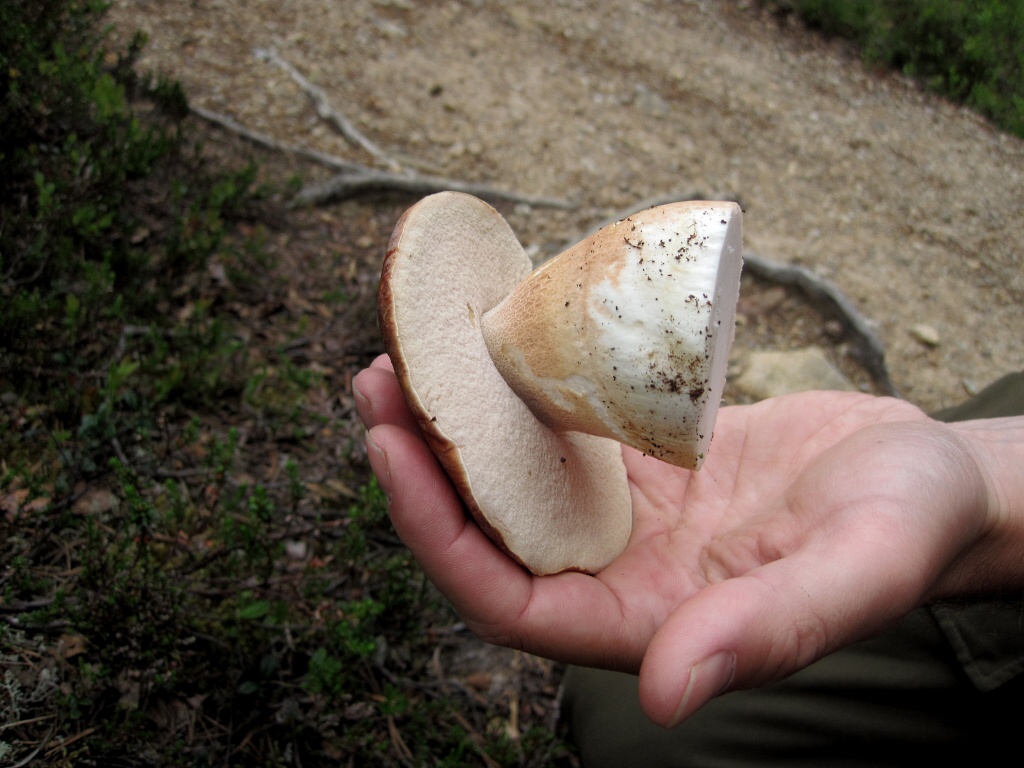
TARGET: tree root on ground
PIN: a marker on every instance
(866, 347)
(352, 179)
(343, 185)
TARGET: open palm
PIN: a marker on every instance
(817, 518)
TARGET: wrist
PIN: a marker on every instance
(994, 562)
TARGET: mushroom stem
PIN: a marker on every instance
(626, 335)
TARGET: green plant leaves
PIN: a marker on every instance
(969, 50)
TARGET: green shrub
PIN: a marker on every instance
(69, 148)
(78, 248)
(969, 50)
(189, 576)
(107, 220)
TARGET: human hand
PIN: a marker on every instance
(816, 520)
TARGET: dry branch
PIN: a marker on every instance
(345, 185)
(354, 179)
(267, 142)
(324, 109)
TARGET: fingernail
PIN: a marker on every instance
(357, 393)
(381, 468)
(708, 678)
(364, 401)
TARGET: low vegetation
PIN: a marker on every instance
(195, 567)
(968, 50)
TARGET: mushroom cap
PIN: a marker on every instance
(627, 333)
(554, 502)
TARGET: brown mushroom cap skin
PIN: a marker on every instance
(554, 502)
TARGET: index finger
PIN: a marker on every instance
(485, 586)
(569, 616)
(379, 398)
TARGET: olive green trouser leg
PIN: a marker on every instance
(900, 699)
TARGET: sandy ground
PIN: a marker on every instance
(910, 205)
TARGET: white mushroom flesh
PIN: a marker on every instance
(627, 334)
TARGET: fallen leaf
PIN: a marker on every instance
(95, 501)
(69, 646)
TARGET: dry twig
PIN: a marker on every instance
(354, 179)
(324, 109)
(39, 748)
(267, 142)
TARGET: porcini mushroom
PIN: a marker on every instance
(525, 382)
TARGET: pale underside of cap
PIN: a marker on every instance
(554, 502)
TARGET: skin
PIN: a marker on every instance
(817, 520)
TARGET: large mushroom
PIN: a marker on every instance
(525, 382)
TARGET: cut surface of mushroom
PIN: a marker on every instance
(505, 400)
(626, 335)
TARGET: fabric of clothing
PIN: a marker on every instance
(987, 636)
(944, 684)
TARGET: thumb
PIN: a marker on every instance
(866, 553)
(755, 629)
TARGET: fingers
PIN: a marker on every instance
(379, 399)
(563, 617)
(569, 617)
(484, 585)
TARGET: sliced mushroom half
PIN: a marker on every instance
(525, 382)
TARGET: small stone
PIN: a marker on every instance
(296, 550)
(771, 373)
(95, 501)
(925, 334)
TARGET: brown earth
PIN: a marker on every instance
(910, 205)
